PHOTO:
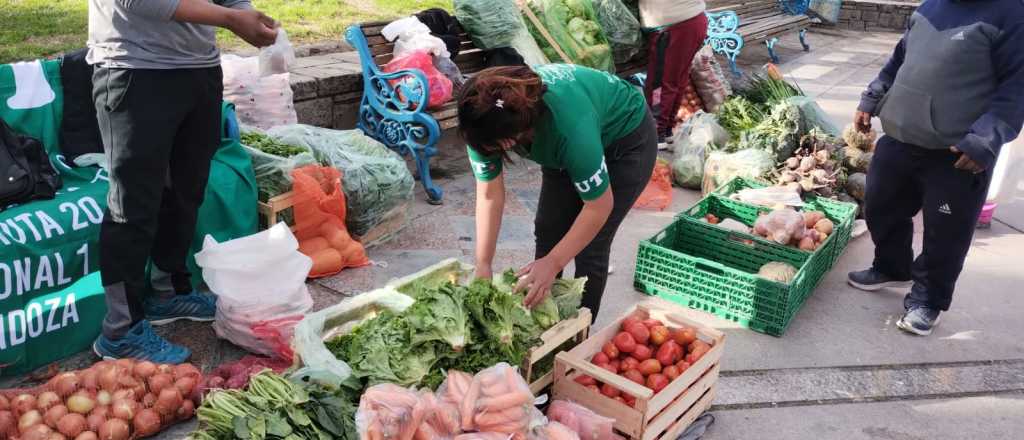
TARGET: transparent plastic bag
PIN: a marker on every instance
(278, 57)
(588, 424)
(260, 101)
(498, 400)
(277, 334)
(318, 363)
(440, 87)
(693, 140)
(573, 25)
(377, 183)
(769, 196)
(493, 24)
(256, 278)
(720, 168)
(708, 80)
(782, 226)
(621, 28)
(441, 419)
(389, 412)
(814, 116)
(553, 431)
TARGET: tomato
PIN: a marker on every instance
(609, 367)
(629, 321)
(610, 391)
(650, 323)
(628, 363)
(684, 336)
(610, 350)
(699, 343)
(695, 355)
(600, 358)
(639, 332)
(657, 382)
(624, 342)
(635, 376)
(659, 334)
(615, 366)
(630, 400)
(585, 380)
(666, 354)
(671, 372)
(642, 353)
(683, 366)
(677, 350)
(620, 400)
(594, 388)
(650, 366)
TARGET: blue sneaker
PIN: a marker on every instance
(193, 307)
(141, 342)
(919, 321)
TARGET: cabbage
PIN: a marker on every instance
(573, 25)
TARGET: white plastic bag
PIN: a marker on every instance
(410, 35)
(278, 57)
(256, 278)
(770, 196)
(260, 101)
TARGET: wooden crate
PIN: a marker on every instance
(575, 329)
(660, 416)
(394, 221)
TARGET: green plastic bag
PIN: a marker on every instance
(621, 27)
(573, 24)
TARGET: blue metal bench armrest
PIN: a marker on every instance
(794, 7)
(394, 111)
(723, 37)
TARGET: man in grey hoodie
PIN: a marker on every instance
(158, 89)
(949, 98)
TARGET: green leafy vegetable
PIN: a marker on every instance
(381, 350)
(268, 145)
(439, 315)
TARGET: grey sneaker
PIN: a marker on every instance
(919, 321)
(871, 280)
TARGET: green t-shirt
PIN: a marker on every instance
(587, 110)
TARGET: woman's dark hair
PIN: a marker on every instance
(499, 103)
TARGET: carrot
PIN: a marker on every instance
(504, 401)
(490, 379)
(467, 405)
(409, 430)
(446, 416)
(495, 389)
(514, 379)
(425, 432)
(507, 427)
(375, 431)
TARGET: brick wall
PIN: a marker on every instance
(872, 15)
(327, 89)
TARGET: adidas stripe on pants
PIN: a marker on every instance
(903, 180)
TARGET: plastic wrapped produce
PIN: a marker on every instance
(750, 163)
(782, 226)
(621, 28)
(586, 423)
(573, 25)
(693, 140)
(709, 81)
(493, 24)
(389, 412)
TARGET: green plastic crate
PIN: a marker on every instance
(842, 214)
(709, 268)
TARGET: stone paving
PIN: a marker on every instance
(842, 371)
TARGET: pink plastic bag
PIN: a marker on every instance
(584, 422)
(277, 334)
(440, 86)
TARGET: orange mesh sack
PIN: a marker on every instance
(658, 193)
(319, 208)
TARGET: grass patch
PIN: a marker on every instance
(38, 28)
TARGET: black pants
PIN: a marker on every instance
(160, 130)
(630, 162)
(904, 180)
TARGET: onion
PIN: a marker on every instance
(215, 382)
(23, 403)
(47, 400)
(102, 411)
(29, 419)
(147, 422)
(186, 411)
(66, 384)
(56, 436)
(158, 382)
(124, 409)
(80, 403)
(90, 379)
(148, 400)
(54, 414)
(95, 421)
(123, 394)
(4, 403)
(186, 370)
(8, 426)
(168, 401)
(114, 429)
(109, 378)
(144, 369)
(185, 385)
(36, 432)
(165, 368)
(87, 435)
(72, 424)
(103, 398)
(126, 364)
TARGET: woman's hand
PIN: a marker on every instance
(538, 277)
(484, 272)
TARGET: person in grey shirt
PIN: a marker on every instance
(157, 86)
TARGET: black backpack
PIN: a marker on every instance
(25, 170)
